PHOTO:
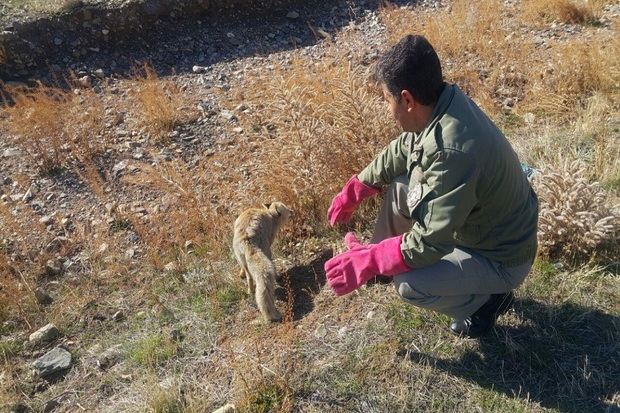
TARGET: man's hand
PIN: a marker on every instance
(347, 271)
(344, 204)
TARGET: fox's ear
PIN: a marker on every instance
(267, 205)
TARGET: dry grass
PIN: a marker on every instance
(194, 215)
(314, 121)
(561, 11)
(37, 121)
(157, 245)
(489, 57)
(53, 125)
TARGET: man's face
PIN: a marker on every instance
(400, 110)
(392, 103)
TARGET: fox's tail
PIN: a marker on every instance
(263, 272)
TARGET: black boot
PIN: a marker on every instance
(484, 318)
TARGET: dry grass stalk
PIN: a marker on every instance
(161, 102)
(574, 216)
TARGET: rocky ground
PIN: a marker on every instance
(202, 54)
(171, 41)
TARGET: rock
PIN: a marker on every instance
(529, 118)
(321, 331)
(227, 115)
(46, 220)
(8, 153)
(119, 167)
(54, 361)
(42, 296)
(47, 333)
(109, 357)
(171, 266)
(100, 73)
(292, 15)
(86, 81)
(53, 268)
(228, 408)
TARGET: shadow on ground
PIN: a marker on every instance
(174, 45)
(564, 357)
(305, 282)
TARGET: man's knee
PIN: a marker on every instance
(410, 294)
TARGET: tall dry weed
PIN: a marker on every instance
(325, 121)
(196, 207)
(52, 124)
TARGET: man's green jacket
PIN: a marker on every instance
(467, 188)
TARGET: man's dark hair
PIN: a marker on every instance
(411, 64)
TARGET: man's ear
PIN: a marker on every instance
(407, 98)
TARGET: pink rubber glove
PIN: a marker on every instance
(347, 271)
(344, 204)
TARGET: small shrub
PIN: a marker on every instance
(167, 400)
(268, 397)
(562, 11)
(51, 124)
(151, 351)
(160, 101)
(574, 217)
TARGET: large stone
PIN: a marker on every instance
(54, 361)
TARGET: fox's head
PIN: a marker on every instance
(281, 210)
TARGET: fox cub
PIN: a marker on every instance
(255, 230)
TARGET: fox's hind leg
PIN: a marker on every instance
(265, 295)
(251, 286)
(244, 272)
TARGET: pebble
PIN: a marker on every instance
(46, 333)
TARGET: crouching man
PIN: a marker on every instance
(457, 228)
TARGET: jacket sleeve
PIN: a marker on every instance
(391, 162)
(448, 197)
